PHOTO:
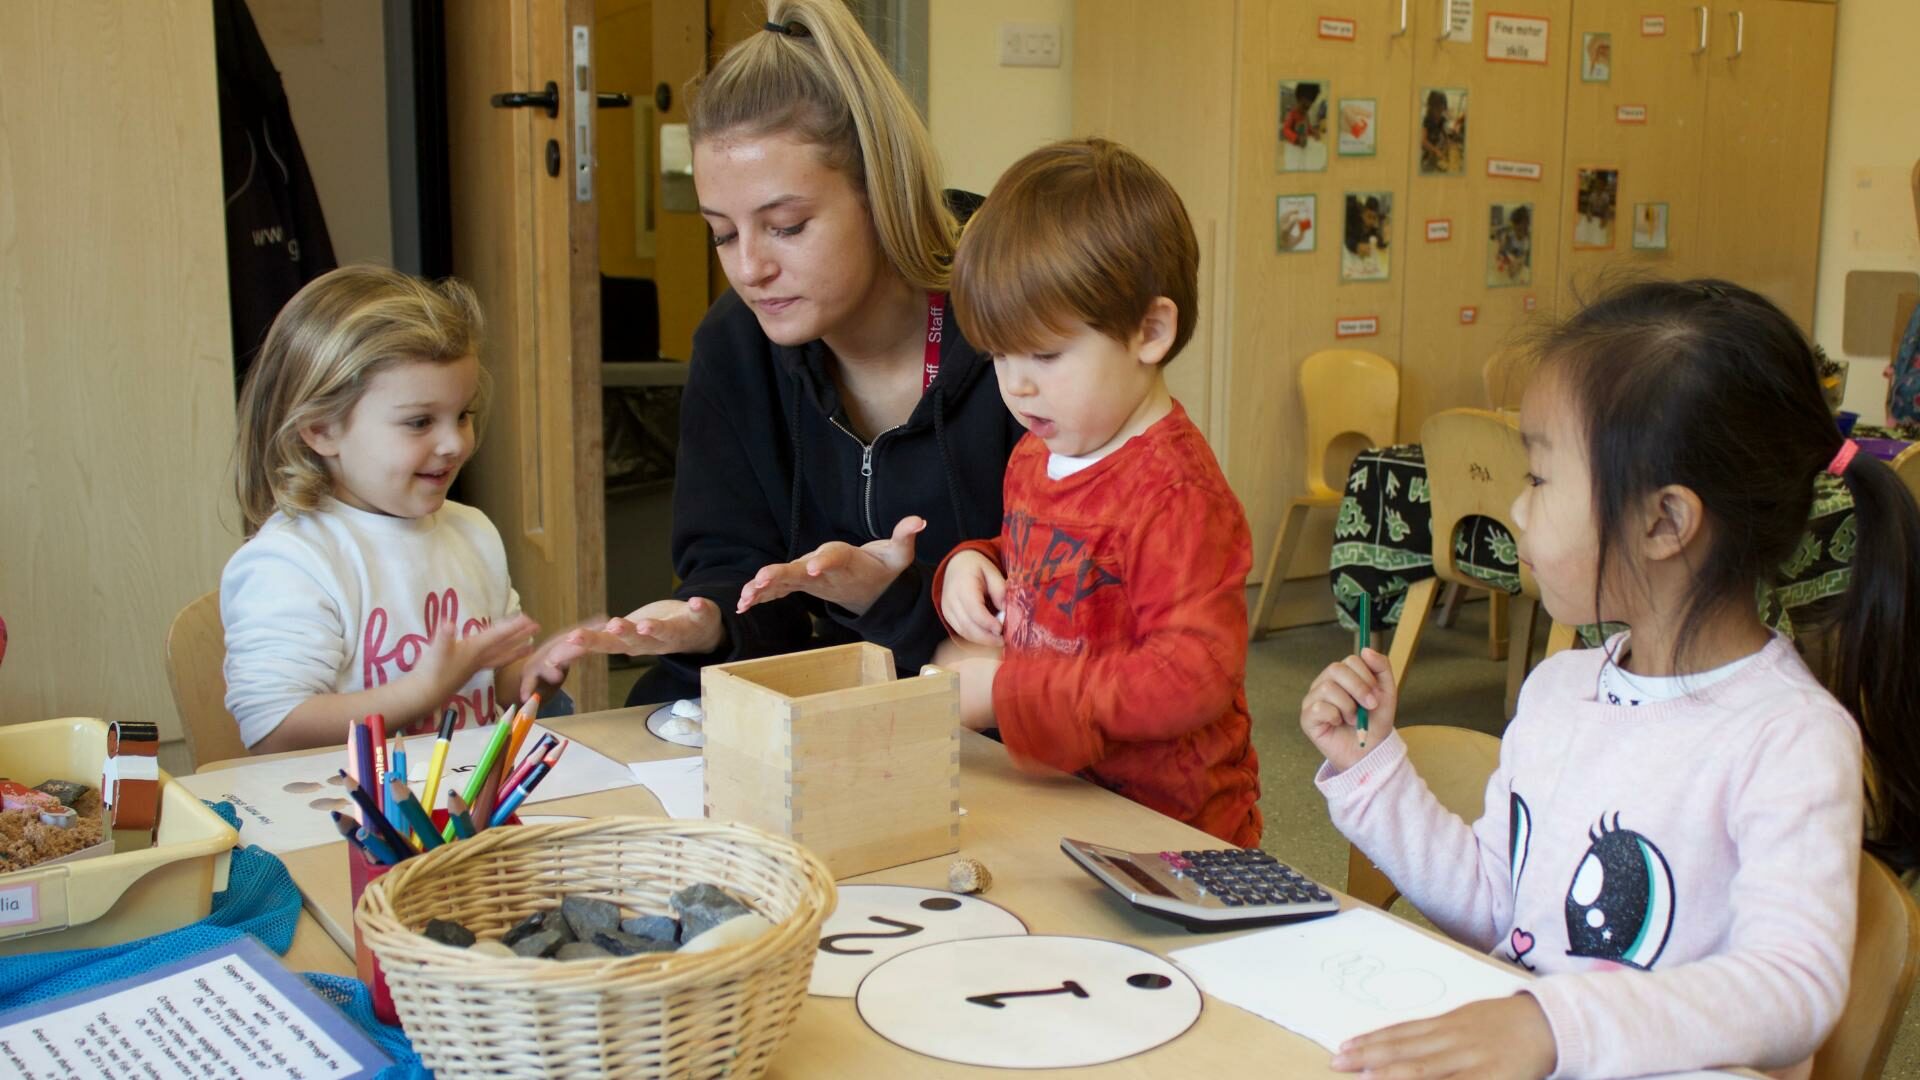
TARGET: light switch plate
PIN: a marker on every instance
(1029, 44)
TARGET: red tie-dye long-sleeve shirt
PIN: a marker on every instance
(1126, 626)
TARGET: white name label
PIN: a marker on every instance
(1517, 39)
(20, 904)
(1653, 26)
(1357, 326)
(1439, 229)
(1630, 114)
(1337, 29)
(1513, 170)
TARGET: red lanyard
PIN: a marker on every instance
(936, 326)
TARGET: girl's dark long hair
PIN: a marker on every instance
(1708, 385)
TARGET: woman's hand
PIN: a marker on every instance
(839, 573)
(664, 626)
(972, 595)
(1330, 709)
(1502, 1039)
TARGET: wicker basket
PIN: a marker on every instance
(719, 1013)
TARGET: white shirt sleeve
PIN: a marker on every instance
(286, 638)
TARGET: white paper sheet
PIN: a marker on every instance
(1334, 978)
(679, 784)
(283, 804)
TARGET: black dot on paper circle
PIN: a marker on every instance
(939, 903)
(1148, 980)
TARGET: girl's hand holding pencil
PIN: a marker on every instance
(1330, 712)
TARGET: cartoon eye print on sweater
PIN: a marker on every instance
(1620, 905)
(1519, 839)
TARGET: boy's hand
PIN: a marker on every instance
(839, 573)
(1502, 1039)
(1328, 712)
(976, 691)
(664, 626)
(971, 596)
(448, 660)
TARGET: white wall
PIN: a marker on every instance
(331, 55)
(1872, 142)
(983, 116)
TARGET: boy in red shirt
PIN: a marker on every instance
(1116, 588)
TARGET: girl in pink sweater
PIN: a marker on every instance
(1671, 838)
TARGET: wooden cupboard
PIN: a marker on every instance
(1717, 110)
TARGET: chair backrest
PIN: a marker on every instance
(1907, 467)
(1346, 392)
(1886, 953)
(196, 654)
(1505, 375)
(1476, 466)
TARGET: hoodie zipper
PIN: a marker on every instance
(866, 473)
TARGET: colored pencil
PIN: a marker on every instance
(439, 759)
(350, 832)
(367, 780)
(377, 729)
(519, 795)
(376, 823)
(488, 760)
(1366, 642)
(523, 723)
(534, 757)
(457, 816)
(380, 849)
(417, 819)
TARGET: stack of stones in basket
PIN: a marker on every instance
(583, 928)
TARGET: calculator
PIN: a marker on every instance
(1223, 889)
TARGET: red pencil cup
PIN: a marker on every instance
(366, 965)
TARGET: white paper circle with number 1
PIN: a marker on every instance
(872, 924)
(1036, 1002)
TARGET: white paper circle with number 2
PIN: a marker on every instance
(1035, 1002)
(872, 924)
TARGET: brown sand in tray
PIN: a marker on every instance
(25, 841)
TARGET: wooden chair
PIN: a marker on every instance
(1476, 466)
(1886, 954)
(196, 651)
(1342, 392)
(1907, 467)
(1455, 762)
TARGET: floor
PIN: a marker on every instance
(1453, 683)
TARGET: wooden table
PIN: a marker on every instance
(1014, 824)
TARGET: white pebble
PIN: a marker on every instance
(679, 725)
(688, 708)
(735, 931)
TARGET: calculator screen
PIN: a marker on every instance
(1139, 875)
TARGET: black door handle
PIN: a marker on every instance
(613, 101)
(548, 99)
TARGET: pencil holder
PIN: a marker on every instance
(723, 1012)
(365, 965)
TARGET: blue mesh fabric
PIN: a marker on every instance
(261, 899)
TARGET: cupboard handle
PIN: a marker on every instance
(1446, 19)
(1700, 17)
(1403, 20)
(1739, 34)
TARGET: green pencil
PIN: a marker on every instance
(495, 746)
(1366, 641)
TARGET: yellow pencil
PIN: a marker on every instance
(439, 759)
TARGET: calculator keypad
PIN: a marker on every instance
(1242, 877)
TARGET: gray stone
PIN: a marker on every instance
(620, 943)
(588, 916)
(491, 948)
(580, 950)
(658, 927)
(67, 791)
(448, 932)
(532, 924)
(539, 943)
(702, 907)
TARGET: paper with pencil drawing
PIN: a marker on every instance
(283, 804)
(1359, 971)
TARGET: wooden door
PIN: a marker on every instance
(1288, 301)
(1516, 112)
(1644, 118)
(528, 245)
(116, 504)
(1763, 167)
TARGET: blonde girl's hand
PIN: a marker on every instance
(1501, 1039)
(972, 594)
(662, 627)
(448, 660)
(839, 573)
(1329, 711)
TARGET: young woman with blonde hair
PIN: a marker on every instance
(838, 436)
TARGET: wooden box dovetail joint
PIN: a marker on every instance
(830, 748)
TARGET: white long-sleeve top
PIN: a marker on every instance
(1684, 873)
(342, 600)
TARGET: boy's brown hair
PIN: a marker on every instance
(1082, 230)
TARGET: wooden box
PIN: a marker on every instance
(829, 748)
